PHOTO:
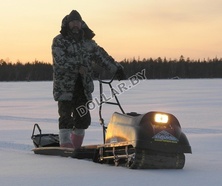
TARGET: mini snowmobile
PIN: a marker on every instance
(153, 140)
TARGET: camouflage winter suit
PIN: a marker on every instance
(72, 58)
(72, 65)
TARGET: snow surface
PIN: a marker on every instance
(196, 103)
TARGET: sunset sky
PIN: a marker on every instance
(124, 28)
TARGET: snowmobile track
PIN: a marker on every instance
(146, 159)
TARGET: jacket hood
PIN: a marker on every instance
(88, 33)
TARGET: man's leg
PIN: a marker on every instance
(82, 122)
(65, 123)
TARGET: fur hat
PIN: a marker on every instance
(74, 15)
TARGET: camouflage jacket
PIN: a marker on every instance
(70, 59)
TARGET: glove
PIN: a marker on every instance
(120, 75)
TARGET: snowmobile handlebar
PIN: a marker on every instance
(104, 100)
(107, 81)
(102, 97)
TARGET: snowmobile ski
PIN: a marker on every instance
(85, 152)
(54, 151)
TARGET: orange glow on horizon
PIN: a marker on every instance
(125, 29)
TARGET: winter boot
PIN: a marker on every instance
(77, 137)
(65, 138)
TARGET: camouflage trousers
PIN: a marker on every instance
(69, 117)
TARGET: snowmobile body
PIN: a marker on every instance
(151, 140)
(144, 131)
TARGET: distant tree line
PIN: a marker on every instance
(35, 71)
(155, 69)
(177, 68)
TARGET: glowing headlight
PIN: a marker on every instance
(161, 118)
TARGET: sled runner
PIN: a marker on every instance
(153, 140)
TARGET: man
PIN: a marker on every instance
(73, 52)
